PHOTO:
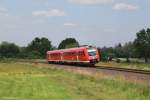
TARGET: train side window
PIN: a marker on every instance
(69, 53)
(73, 53)
(51, 55)
(55, 54)
(81, 53)
(65, 53)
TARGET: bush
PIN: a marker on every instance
(128, 60)
(8, 50)
(34, 55)
(118, 60)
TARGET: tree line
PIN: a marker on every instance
(37, 48)
(139, 48)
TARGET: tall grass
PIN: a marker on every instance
(20, 81)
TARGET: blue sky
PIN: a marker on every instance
(93, 22)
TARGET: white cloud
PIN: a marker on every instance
(69, 24)
(124, 6)
(3, 12)
(3, 9)
(91, 2)
(48, 13)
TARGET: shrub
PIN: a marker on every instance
(128, 60)
(118, 60)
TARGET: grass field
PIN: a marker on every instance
(23, 81)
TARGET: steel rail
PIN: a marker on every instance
(124, 69)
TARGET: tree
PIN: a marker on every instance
(107, 53)
(68, 43)
(45, 46)
(24, 53)
(118, 50)
(39, 46)
(142, 43)
(9, 49)
(102, 53)
(128, 50)
(34, 45)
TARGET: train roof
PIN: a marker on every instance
(70, 49)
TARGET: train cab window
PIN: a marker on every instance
(91, 52)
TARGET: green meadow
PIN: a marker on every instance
(24, 81)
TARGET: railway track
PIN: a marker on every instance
(129, 70)
(147, 72)
(124, 69)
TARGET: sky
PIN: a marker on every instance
(91, 22)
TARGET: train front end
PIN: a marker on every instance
(93, 55)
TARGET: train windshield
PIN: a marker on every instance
(91, 52)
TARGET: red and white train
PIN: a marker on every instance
(79, 55)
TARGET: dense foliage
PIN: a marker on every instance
(142, 43)
(8, 49)
(68, 43)
(139, 48)
(126, 50)
(38, 47)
